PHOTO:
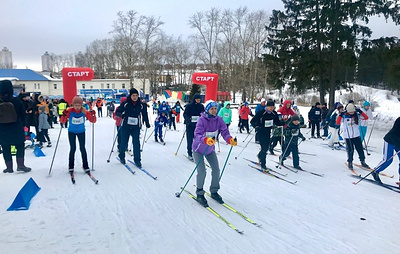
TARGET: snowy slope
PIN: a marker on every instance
(128, 213)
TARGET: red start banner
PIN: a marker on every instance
(208, 79)
(70, 76)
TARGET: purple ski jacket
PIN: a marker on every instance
(208, 127)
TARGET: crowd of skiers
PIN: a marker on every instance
(204, 124)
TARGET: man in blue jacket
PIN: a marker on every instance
(191, 116)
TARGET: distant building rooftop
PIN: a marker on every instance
(22, 75)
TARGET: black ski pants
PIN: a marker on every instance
(356, 143)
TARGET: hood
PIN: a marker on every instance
(286, 102)
(226, 103)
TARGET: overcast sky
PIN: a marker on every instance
(29, 28)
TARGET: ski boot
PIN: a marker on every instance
(217, 197)
(375, 175)
(202, 200)
(365, 165)
(350, 165)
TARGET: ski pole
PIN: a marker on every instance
(230, 150)
(55, 151)
(376, 168)
(283, 154)
(243, 149)
(373, 124)
(248, 134)
(166, 129)
(178, 194)
(112, 148)
(176, 153)
(149, 136)
(144, 138)
(365, 143)
(92, 146)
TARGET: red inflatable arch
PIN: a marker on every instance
(208, 79)
(70, 76)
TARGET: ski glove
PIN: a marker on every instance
(232, 141)
(147, 125)
(358, 110)
(303, 138)
(209, 141)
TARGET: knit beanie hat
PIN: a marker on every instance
(133, 91)
(263, 100)
(270, 103)
(317, 104)
(294, 118)
(350, 107)
(366, 103)
(6, 88)
(209, 104)
(77, 100)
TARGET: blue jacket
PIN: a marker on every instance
(192, 113)
(76, 122)
(161, 120)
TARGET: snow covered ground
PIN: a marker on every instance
(128, 213)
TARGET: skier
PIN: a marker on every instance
(286, 111)
(324, 123)
(99, 105)
(349, 120)
(364, 122)
(160, 121)
(292, 134)
(260, 106)
(333, 127)
(12, 128)
(43, 127)
(226, 113)
(178, 109)
(264, 121)
(76, 116)
(391, 143)
(172, 113)
(314, 117)
(118, 121)
(207, 128)
(244, 115)
(191, 116)
(131, 111)
(163, 107)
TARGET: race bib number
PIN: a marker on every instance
(133, 121)
(268, 123)
(226, 115)
(317, 113)
(211, 134)
(77, 120)
(195, 119)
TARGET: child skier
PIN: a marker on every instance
(391, 143)
(172, 113)
(314, 117)
(349, 120)
(364, 122)
(43, 127)
(292, 134)
(160, 121)
(76, 129)
(207, 128)
(333, 127)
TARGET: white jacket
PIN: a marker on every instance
(368, 112)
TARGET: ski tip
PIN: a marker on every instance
(239, 231)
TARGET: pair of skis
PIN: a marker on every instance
(133, 172)
(222, 218)
(71, 173)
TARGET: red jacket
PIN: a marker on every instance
(244, 113)
(286, 112)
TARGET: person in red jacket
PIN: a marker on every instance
(244, 115)
(286, 110)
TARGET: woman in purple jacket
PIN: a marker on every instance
(207, 129)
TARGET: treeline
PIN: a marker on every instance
(322, 45)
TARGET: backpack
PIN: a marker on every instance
(7, 112)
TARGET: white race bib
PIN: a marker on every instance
(211, 134)
(195, 119)
(133, 121)
(77, 120)
(226, 115)
(268, 123)
(317, 113)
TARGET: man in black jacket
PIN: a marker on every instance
(131, 111)
(263, 122)
(191, 115)
(314, 117)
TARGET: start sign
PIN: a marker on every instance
(70, 76)
(208, 79)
